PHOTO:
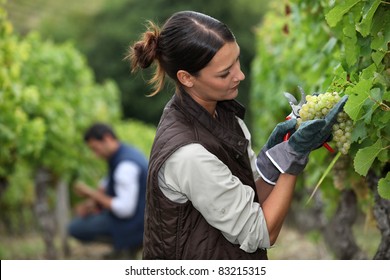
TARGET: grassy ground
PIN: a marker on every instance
(291, 245)
(31, 247)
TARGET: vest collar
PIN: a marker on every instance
(225, 128)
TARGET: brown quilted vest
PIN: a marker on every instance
(179, 231)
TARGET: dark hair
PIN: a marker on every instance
(187, 41)
(97, 131)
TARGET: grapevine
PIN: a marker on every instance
(318, 106)
(48, 97)
(332, 46)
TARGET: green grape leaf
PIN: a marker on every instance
(380, 31)
(359, 132)
(364, 26)
(368, 109)
(376, 93)
(369, 72)
(357, 97)
(384, 187)
(337, 13)
(381, 80)
(378, 42)
(386, 96)
(384, 118)
(370, 105)
(365, 157)
(377, 56)
(349, 40)
(384, 156)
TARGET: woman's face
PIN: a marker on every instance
(219, 80)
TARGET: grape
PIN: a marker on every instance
(338, 132)
(318, 106)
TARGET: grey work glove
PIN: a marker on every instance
(265, 167)
(292, 156)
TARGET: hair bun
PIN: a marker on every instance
(144, 52)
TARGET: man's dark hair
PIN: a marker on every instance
(97, 131)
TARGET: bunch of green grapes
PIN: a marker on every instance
(318, 106)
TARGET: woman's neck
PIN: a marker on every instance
(209, 105)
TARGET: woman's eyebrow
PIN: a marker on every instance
(230, 66)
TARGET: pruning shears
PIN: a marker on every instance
(296, 107)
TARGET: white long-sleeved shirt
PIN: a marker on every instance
(193, 173)
(126, 188)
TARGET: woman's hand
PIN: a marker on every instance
(266, 168)
(292, 156)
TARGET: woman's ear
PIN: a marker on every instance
(185, 78)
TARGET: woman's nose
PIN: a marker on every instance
(239, 75)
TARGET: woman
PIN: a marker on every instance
(205, 197)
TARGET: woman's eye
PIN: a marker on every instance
(225, 75)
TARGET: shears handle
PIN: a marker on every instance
(326, 145)
(287, 136)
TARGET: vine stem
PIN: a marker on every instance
(385, 148)
(380, 104)
(328, 169)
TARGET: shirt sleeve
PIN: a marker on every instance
(126, 188)
(222, 199)
(103, 183)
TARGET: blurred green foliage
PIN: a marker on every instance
(48, 97)
(104, 29)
